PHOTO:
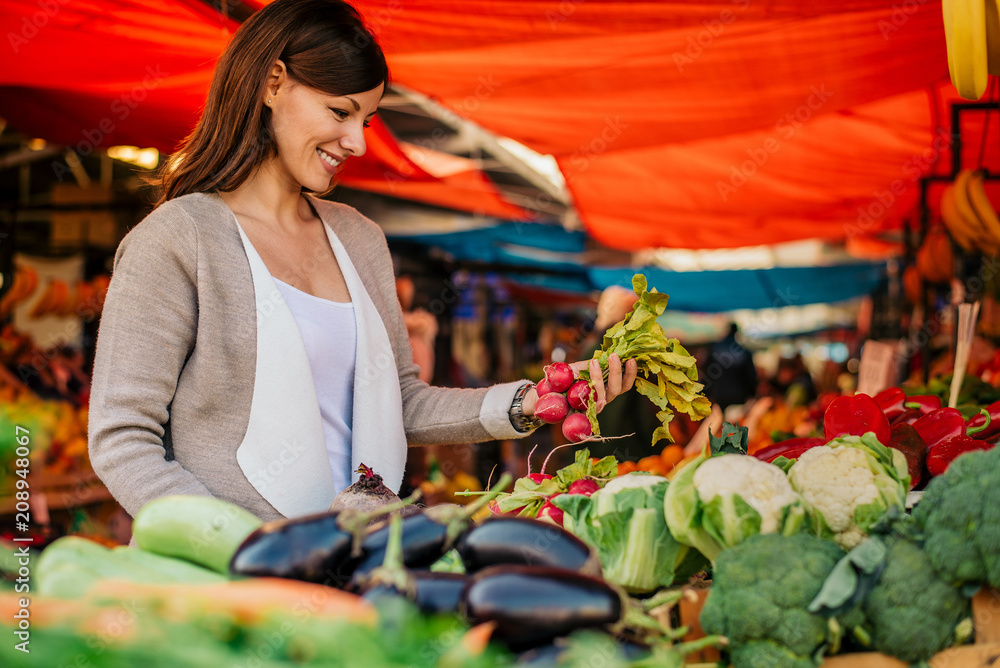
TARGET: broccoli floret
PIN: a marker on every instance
(761, 590)
(911, 613)
(960, 517)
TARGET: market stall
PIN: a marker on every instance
(805, 178)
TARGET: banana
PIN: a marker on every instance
(992, 37)
(984, 209)
(957, 226)
(965, 38)
(980, 235)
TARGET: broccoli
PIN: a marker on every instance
(911, 613)
(960, 517)
(761, 590)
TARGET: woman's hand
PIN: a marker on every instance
(620, 380)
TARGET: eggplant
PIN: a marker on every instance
(532, 605)
(313, 548)
(434, 593)
(427, 535)
(425, 540)
(530, 542)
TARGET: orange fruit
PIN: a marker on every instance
(671, 455)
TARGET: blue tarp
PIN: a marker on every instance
(557, 253)
(715, 291)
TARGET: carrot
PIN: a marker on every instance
(248, 600)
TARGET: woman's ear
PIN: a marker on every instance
(277, 78)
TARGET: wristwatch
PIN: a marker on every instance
(517, 417)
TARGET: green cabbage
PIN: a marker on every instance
(624, 524)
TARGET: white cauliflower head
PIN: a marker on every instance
(841, 487)
(763, 486)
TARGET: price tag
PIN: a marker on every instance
(879, 366)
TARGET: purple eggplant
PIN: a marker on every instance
(314, 548)
(426, 535)
(425, 540)
(532, 605)
(434, 593)
(530, 542)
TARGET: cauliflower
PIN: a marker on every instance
(960, 517)
(847, 485)
(717, 502)
(764, 488)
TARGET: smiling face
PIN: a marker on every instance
(315, 132)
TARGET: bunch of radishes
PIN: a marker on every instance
(562, 397)
(553, 513)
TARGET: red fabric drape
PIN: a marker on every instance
(685, 124)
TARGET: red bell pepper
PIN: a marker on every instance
(925, 403)
(943, 424)
(855, 416)
(990, 422)
(948, 451)
(906, 439)
(791, 448)
(891, 401)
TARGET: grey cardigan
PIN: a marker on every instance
(174, 372)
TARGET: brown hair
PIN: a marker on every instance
(324, 44)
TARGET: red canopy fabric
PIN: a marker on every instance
(680, 124)
(104, 72)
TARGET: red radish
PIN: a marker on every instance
(542, 387)
(576, 428)
(539, 477)
(551, 407)
(578, 395)
(559, 375)
(550, 513)
(585, 486)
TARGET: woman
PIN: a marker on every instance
(251, 345)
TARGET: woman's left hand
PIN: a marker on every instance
(620, 380)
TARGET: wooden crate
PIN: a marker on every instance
(56, 492)
(983, 653)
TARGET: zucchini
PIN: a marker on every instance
(200, 529)
(71, 565)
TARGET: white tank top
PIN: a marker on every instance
(329, 332)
